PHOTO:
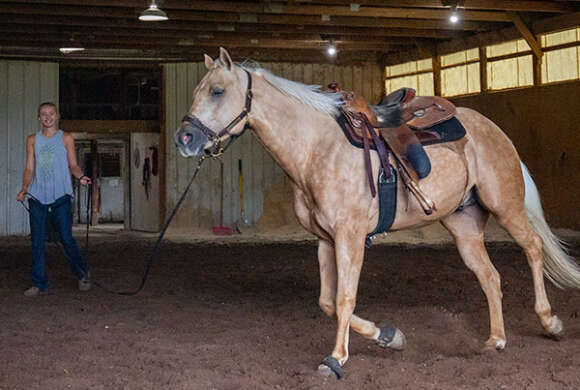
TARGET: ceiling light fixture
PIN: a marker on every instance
(454, 16)
(331, 50)
(71, 46)
(68, 50)
(153, 14)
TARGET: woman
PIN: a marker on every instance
(50, 161)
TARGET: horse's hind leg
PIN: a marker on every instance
(518, 226)
(505, 200)
(466, 227)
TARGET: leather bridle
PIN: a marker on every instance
(217, 149)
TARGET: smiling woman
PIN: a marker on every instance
(50, 161)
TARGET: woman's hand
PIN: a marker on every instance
(21, 197)
(85, 180)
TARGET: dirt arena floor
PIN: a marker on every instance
(243, 314)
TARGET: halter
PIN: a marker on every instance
(214, 137)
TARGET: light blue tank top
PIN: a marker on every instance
(51, 172)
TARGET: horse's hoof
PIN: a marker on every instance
(330, 366)
(494, 344)
(391, 337)
(555, 328)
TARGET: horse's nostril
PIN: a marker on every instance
(186, 138)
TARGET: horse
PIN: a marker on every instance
(296, 123)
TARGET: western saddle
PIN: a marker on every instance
(402, 119)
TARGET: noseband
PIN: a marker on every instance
(214, 137)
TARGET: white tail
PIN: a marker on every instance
(559, 266)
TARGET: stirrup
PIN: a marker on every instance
(425, 202)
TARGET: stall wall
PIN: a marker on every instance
(145, 183)
(544, 125)
(260, 173)
(23, 86)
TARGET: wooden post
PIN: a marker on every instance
(436, 61)
(483, 70)
(534, 44)
(537, 64)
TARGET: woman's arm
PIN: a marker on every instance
(28, 170)
(75, 170)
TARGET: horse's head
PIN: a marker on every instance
(221, 103)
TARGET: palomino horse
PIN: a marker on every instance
(296, 124)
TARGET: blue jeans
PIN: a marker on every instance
(59, 214)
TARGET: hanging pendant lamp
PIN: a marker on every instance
(153, 14)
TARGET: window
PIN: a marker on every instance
(561, 56)
(509, 65)
(415, 74)
(460, 73)
(110, 93)
(110, 164)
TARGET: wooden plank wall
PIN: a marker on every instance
(544, 125)
(201, 209)
(23, 86)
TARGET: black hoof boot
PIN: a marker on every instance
(330, 366)
(391, 337)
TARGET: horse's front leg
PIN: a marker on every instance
(385, 336)
(343, 279)
(327, 265)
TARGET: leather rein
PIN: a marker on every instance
(217, 149)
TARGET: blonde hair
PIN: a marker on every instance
(47, 104)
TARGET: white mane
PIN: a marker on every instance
(311, 95)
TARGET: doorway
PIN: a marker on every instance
(105, 160)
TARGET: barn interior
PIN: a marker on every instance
(124, 91)
(232, 298)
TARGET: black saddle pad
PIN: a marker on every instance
(449, 131)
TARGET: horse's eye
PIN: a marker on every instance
(217, 91)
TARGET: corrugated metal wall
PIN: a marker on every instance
(23, 86)
(202, 207)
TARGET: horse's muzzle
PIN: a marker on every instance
(189, 140)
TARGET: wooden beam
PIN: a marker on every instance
(363, 11)
(87, 25)
(133, 58)
(56, 40)
(527, 34)
(233, 18)
(109, 126)
(175, 7)
(482, 39)
(556, 23)
(490, 5)
(124, 34)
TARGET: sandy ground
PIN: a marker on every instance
(241, 312)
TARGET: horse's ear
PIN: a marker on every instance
(225, 58)
(208, 62)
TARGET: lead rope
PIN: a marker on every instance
(151, 257)
(89, 216)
